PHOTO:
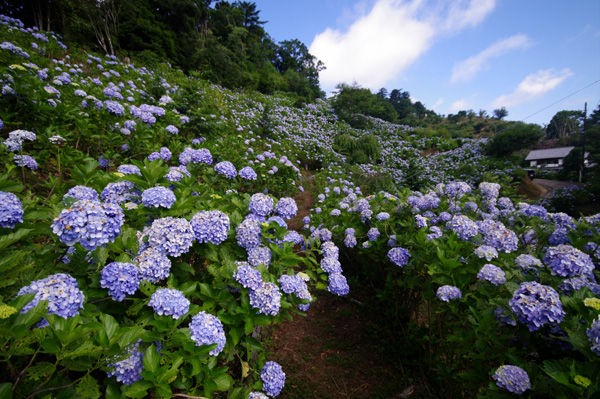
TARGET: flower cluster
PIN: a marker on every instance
(593, 334)
(210, 226)
(266, 298)
(447, 293)
(248, 234)
(200, 155)
(156, 197)
(206, 329)
(464, 227)
(154, 265)
(259, 255)
(173, 236)
(89, 223)
(80, 193)
(26, 161)
(247, 173)
(119, 192)
(496, 235)
(128, 370)
(169, 302)
(273, 378)
(261, 204)
(11, 210)
(535, 305)
(487, 252)
(129, 170)
(398, 256)
(295, 284)
(492, 273)
(286, 208)
(120, 278)
(60, 290)
(512, 378)
(567, 261)
(227, 169)
(247, 276)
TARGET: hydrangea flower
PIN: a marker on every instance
(261, 204)
(120, 278)
(227, 169)
(248, 234)
(164, 153)
(173, 236)
(512, 378)
(80, 193)
(119, 192)
(286, 208)
(338, 285)
(492, 273)
(247, 173)
(398, 256)
(381, 216)
(373, 234)
(259, 255)
(487, 252)
(496, 235)
(273, 378)
(210, 226)
(294, 284)
(447, 293)
(60, 290)
(128, 370)
(331, 265)
(176, 173)
(206, 329)
(350, 241)
(247, 276)
(169, 302)
(154, 265)
(257, 395)
(26, 161)
(567, 261)
(129, 170)
(464, 227)
(266, 298)
(172, 129)
(593, 334)
(528, 262)
(11, 210)
(90, 223)
(489, 190)
(157, 197)
(535, 305)
(330, 250)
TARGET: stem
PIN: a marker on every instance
(50, 389)
(182, 395)
(24, 370)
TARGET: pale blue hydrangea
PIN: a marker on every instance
(114, 107)
(119, 192)
(286, 208)
(399, 256)
(331, 265)
(90, 223)
(528, 262)
(492, 273)
(464, 227)
(177, 173)
(227, 169)
(26, 161)
(11, 210)
(62, 292)
(486, 252)
(210, 226)
(448, 293)
(420, 221)
(457, 189)
(294, 237)
(373, 234)
(295, 284)
(593, 334)
(173, 236)
(330, 250)
(206, 329)
(164, 153)
(567, 261)
(158, 197)
(169, 302)
(129, 369)
(172, 129)
(266, 299)
(496, 235)
(536, 305)
(247, 276)
(248, 234)
(489, 190)
(261, 204)
(128, 169)
(382, 216)
(338, 284)
(335, 212)
(512, 378)
(120, 279)
(247, 173)
(273, 378)
(257, 395)
(259, 255)
(154, 265)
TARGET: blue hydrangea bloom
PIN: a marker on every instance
(172, 129)
(382, 216)
(169, 302)
(294, 284)
(257, 395)
(593, 334)
(330, 250)
(26, 161)
(164, 153)
(247, 173)
(80, 193)
(173, 236)
(331, 265)
(489, 190)
(176, 173)
(60, 290)
(567, 261)
(294, 237)
(248, 234)
(373, 234)
(128, 169)
(559, 236)
(338, 284)
(119, 192)
(398, 256)
(114, 107)
(273, 378)
(286, 208)
(259, 255)
(528, 262)
(247, 276)
(120, 278)
(457, 189)
(492, 273)
(200, 155)
(447, 293)
(11, 210)
(210, 226)
(266, 299)
(128, 370)
(464, 227)
(206, 329)
(496, 235)
(512, 378)
(157, 197)
(154, 265)
(261, 204)
(487, 252)
(227, 169)
(535, 305)
(90, 223)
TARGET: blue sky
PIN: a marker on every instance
(534, 57)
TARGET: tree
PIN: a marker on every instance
(564, 123)
(515, 136)
(500, 113)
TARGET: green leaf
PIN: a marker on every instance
(151, 359)
(40, 371)
(110, 325)
(223, 382)
(138, 389)
(6, 390)
(87, 388)
(12, 238)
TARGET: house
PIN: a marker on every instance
(551, 158)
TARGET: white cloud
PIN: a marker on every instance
(459, 105)
(534, 85)
(468, 68)
(382, 43)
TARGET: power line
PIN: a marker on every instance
(562, 99)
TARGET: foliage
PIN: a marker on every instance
(515, 136)
(564, 124)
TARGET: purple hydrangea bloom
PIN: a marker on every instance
(447, 293)
(559, 236)
(207, 329)
(593, 334)
(154, 265)
(90, 223)
(286, 208)
(226, 168)
(457, 189)
(330, 250)
(201, 155)
(273, 378)
(350, 241)
(120, 278)
(266, 298)
(338, 285)
(331, 265)
(247, 173)
(176, 173)
(159, 196)
(512, 378)
(129, 170)
(128, 370)
(489, 190)
(261, 204)
(420, 221)
(119, 192)
(496, 235)
(373, 234)
(164, 153)
(381, 216)
(487, 252)
(60, 290)
(210, 226)
(492, 273)
(172, 129)
(173, 236)
(535, 305)
(464, 227)
(528, 262)
(259, 256)
(567, 261)
(11, 210)
(247, 276)
(26, 161)
(248, 234)
(295, 284)
(294, 237)
(257, 395)
(114, 107)
(534, 211)
(398, 256)
(169, 302)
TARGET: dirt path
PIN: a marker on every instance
(552, 185)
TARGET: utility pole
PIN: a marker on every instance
(582, 167)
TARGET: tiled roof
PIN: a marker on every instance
(550, 153)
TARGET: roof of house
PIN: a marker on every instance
(550, 153)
